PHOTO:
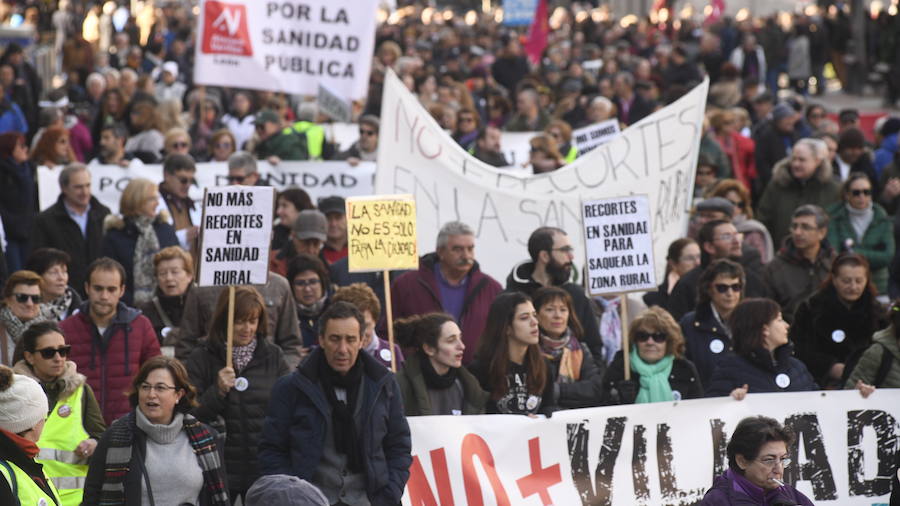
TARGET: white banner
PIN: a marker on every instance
(286, 46)
(591, 136)
(662, 453)
(619, 245)
(319, 179)
(655, 157)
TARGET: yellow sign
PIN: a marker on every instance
(382, 233)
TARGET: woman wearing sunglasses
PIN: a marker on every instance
(862, 226)
(757, 455)
(836, 323)
(20, 308)
(763, 358)
(659, 371)
(706, 333)
(75, 422)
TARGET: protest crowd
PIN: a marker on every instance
(115, 384)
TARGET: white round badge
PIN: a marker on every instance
(532, 402)
(782, 380)
(165, 332)
(716, 346)
(838, 336)
(42, 502)
(241, 384)
(676, 395)
(385, 355)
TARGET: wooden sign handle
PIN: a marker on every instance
(390, 318)
(230, 334)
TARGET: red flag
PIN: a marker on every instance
(538, 33)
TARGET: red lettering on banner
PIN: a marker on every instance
(225, 29)
(541, 478)
(419, 491)
(474, 446)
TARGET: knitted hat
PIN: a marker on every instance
(284, 490)
(720, 204)
(23, 403)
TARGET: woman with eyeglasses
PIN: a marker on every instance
(836, 323)
(312, 290)
(222, 145)
(53, 266)
(659, 371)
(134, 237)
(706, 332)
(20, 309)
(763, 358)
(682, 257)
(365, 149)
(75, 422)
(757, 455)
(158, 453)
(862, 226)
(239, 395)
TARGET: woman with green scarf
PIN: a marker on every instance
(659, 371)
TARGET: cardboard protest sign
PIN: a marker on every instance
(591, 136)
(334, 106)
(286, 46)
(381, 233)
(619, 245)
(235, 233)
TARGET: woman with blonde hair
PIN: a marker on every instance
(134, 236)
(221, 145)
(171, 115)
(177, 140)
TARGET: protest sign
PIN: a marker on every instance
(656, 157)
(381, 233)
(660, 453)
(518, 12)
(286, 46)
(318, 179)
(591, 136)
(619, 245)
(235, 234)
(334, 106)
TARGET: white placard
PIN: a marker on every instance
(591, 136)
(236, 232)
(334, 106)
(286, 46)
(619, 245)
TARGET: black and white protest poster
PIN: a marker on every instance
(619, 245)
(598, 134)
(287, 46)
(235, 234)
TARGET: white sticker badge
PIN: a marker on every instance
(838, 336)
(385, 355)
(241, 384)
(782, 380)
(716, 346)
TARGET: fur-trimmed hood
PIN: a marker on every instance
(70, 379)
(781, 173)
(119, 222)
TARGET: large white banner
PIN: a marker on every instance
(319, 179)
(655, 157)
(287, 46)
(662, 453)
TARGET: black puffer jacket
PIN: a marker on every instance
(761, 372)
(243, 412)
(683, 380)
(584, 393)
(706, 340)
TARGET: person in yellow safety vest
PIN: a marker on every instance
(75, 422)
(562, 134)
(23, 411)
(317, 147)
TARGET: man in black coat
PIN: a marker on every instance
(774, 140)
(73, 224)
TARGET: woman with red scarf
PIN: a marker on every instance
(739, 149)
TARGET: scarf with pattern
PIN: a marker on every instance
(565, 351)
(16, 327)
(146, 246)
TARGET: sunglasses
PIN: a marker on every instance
(857, 193)
(236, 179)
(643, 337)
(367, 132)
(723, 288)
(185, 180)
(22, 298)
(48, 353)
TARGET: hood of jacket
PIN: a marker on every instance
(781, 173)
(118, 222)
(890, 143)
(71, 379)
(124, 314)
(888, 338)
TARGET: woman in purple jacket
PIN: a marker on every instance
(757, 456)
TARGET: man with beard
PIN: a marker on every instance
(718, 239)
(450, 281)
(551, 254)
(112, 147)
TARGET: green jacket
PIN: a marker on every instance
(877, 243)
(286, 145)
(867, 367)
(415, 394)
(784, 194)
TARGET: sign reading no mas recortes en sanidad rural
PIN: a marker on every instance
(381, 233)
(235, 231)
(619, 245)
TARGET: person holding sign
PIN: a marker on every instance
(237, 390)
(659, 371)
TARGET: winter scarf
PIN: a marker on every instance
(60, 305)
(147, 245)
(243, 354)
(16, 327)
(346, 440)
(436, 381)
(860, 219)
(313, 310)
(654, 378)
(567, 352)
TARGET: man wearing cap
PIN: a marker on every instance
(275, 143)
(366, 148)
(774, 141)
(284, 490)
(335, 211)
(848, 118)
(169, 87)
(23, 411)
(853, 156)
(308, 234)
(713, 208)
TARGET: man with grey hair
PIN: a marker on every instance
(450, 281)
(529, 116)
(804, 261)
(73, 224)
(242, 169)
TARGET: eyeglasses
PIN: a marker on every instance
(774, 461)
(179, 145)
(568, 250)
(857, 193)
(728, 237)
(185, 180)
(642, 337)
(302, 283)
(806, 227)
(734, 287)
(48, 353)
(366, 133)
(158, 388)
(236, 179)
(22, 298)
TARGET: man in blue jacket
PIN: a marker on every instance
(337, 421)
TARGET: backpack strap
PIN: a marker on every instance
(12, 478)
(887, 360)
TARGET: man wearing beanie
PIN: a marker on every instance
(854, 156)
(774, 139)
(23, 411)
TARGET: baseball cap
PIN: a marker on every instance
(310, 224)
(333, 204)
